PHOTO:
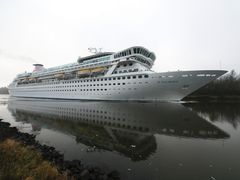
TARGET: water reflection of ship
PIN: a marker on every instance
(223, 112)
(128, 128)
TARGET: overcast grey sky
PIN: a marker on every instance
(184, 34)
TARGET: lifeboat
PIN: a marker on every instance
(84, 72)
(59, 75)
(32, 79)
(98, 69)
(26, 79)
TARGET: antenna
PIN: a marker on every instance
(220, 64)
(95, 50)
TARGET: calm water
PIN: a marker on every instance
(140, 140)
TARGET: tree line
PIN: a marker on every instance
(3, 90)
(227, 85)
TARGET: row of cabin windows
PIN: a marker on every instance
(82, 110)
(72, 90)
(125, 71)
(89, 85)
(109, 79)
(142, 60)
(125, 65)
(104, 122)
(77, 111)
(97, 116)
(59, 90)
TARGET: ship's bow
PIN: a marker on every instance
(197, 79)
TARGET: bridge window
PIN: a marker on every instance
(135, 50)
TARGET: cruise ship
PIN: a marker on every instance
(123, 75)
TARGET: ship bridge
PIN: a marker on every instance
(98, 55)
(139, 54)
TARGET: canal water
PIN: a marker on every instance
(141, 141)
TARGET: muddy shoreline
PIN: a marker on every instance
(75, 168)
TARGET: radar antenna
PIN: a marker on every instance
(95, 50)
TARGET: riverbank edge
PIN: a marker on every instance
(212, 98)
(75, 169)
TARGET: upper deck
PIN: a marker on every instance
(136, 54)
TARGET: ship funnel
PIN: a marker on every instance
(37, 67)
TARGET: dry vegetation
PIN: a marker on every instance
(24, 162)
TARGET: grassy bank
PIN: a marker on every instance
(22, 157)
(18, 161)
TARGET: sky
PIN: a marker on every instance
(183, 34)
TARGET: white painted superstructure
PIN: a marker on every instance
(125, 75)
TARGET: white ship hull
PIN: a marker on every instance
(168, 86)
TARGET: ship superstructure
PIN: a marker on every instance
(124, 75)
